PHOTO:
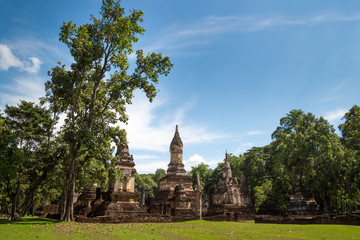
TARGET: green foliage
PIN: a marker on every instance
(350, 129)
(255, 173)
(306, 150)
(146, 183)
(28, 155)
(149, 183)
(205, 174)
(94, 102)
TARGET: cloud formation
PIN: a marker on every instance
(148, 130)
(335, 115)
(29, 88)
(198, 33)
(8, 60)
(194, 160)
(254, 133)
(243, 148)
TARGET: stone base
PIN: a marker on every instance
(164, 204)
(116, 204)
(229, 212)
(269, 208)
(351, 219)
(300, 205)
(132, 218)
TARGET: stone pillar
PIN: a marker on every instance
(143, 198)
(198, 206)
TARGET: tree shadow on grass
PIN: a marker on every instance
(29, 221)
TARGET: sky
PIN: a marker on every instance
(239, 66)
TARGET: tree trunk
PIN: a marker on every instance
(14, 215)
(31, 192)
(68, 211)
(327, 207)
(33, 207)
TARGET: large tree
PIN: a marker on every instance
(306, 151)
(28, 154)
(254, 170)
(95, 90)
(350, 131)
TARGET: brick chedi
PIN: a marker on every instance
(176, 196)
(120, 202)
(302, 202)
(126, 167)
(230, 200)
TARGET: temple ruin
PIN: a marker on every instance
(120, 203)
(176, 196)
(302, 202)
(231, 200)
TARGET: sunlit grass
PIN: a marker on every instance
(36, 228)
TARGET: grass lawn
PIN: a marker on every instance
(37, 228)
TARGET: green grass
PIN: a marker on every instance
(37, 228)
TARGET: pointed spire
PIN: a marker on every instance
(227, 168)
(176, 143)
(123, 155)
(176, 165)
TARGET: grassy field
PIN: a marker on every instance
(36, 228)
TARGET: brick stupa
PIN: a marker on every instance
(120, 203)
(231, 200)
(176, 196)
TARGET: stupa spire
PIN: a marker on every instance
(227, 169)
(176, 165)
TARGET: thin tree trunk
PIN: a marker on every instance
(31, 192)
(70, 191)
(33, 207)
(327, 207)
(14, 216)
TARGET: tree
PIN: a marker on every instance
(307, 150)
(159, 174)
(28, 154)
(256, 177)
(93, 101)
(205, 174)
(145, 183)
(350, 129)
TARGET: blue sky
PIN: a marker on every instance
(239, 66)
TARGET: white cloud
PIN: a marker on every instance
(256, 132)
(335, 115)
(197, 33)
(144, 156)
(29, 88)
(8, 60)
(148, 130)
(243, 148)
(151, 167)
(249, 23)
(34, 67)
(194, 160)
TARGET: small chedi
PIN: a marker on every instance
(231, 200)
(176, 196)
(120, 203)
(301, 202)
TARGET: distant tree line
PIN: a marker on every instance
(305, 151)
